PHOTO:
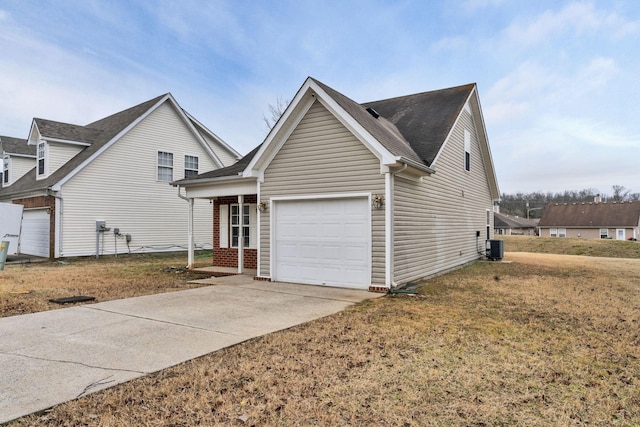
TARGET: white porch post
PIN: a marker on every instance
(190, 239)
(388, 229)
(241, 234)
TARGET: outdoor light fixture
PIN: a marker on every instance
(377, 201)
(262, 206)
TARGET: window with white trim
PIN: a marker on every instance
(558, 232)
(5, 170)
(165, 166)
(190, 166)
(467, 150)
(604, 233)
(41, 159)
(239, 219)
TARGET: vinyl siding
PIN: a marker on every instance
(435, 221)
(18, 166)
(223, 154)
(120, 187)
(59, 153)
(322, 157)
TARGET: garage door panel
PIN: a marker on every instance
(330, 245)
(34, 237)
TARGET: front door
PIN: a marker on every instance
(620, 234)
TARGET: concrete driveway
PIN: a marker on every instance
(51, 357)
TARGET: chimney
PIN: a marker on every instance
(597, 199)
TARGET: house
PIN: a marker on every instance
(508, 225)
(368, 196)
(104, 188)
(17, 159)
(594, 220)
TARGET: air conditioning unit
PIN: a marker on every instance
(495, 249)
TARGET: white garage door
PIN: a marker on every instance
(34, 239)
(323, 242)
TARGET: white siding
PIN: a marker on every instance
(58, 154)
(227, 158)
(322, 157)
(19, 167)
(120, 187)
(436, 220)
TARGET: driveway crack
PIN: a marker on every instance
(72, 362)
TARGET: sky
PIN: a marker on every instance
(559, 81)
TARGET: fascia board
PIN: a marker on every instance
(354, 127)
(222, 188)
(282, 127)
(214, 136)
(32, 129)
(301, 103)
(57, 186)
(182, 114)
(455, 123)
(26, 156)
(487, 149)
(66, 141)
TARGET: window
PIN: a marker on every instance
(165, 166)
(558, 232)
(467, 150)
(190, 166)
(41, 150)
(236, 219)
(5, 170)
(604, 233)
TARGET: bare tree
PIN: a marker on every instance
(275, 111)
(620, 193)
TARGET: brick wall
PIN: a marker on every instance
(43, 202)
(228, 257)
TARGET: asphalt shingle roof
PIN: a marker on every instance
(507, 221)
(12, 145)
(97, 133)
(610, 214)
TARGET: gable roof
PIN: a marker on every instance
(507, 221)
(425, 119)
(98, 134)
(596, 215)
(17, 146)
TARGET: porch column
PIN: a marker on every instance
(190, 244)
(240, 234)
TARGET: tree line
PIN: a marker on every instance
(531, 205)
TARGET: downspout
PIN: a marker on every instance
(57, 244)
(389, 252)
(190, 251)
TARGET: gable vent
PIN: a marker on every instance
(373, 112)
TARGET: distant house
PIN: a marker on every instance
(367, 196)
(18, 158)
(116, 172)
(594, 220)
(507, 225)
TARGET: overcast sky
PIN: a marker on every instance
(558, 80)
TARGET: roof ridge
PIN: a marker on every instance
(423, 93)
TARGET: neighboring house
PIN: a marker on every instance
(18, 158)
(507, 225)
(609, 220)
(368, 195)
(115, 170)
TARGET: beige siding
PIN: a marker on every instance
(58, 154)
(436, 220)
(120, 187)
(322, 157)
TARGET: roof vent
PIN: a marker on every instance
(373, 112)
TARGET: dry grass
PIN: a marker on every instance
(572, 246)
(27, 288)
(543, 340)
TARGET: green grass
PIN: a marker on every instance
(572, 246)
